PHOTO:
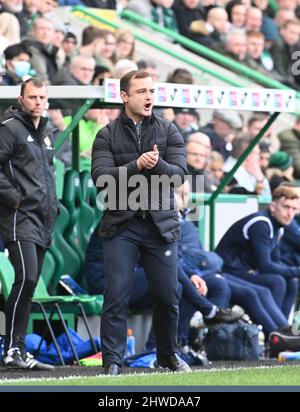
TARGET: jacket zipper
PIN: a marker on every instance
(16, 211)
(139, 143)
(138, 135)
(46, 184)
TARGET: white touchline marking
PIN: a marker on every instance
(106, 377)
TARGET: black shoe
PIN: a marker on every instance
(224, 316)
(289, 330)
(113, 369)
(173, 362)
(35, 365)
(286, 330)
(280, 342)
(13, 359)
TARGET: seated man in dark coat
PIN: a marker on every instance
(250, 248)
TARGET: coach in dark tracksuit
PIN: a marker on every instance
(250, 249)
(28, 209)
(144, 145)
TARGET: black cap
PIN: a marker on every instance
(70, 35)
(187, 110)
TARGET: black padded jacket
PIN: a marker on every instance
(117, 146)
(28, 204)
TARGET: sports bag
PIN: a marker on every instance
(235, 341)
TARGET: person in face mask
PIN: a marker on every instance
(17, 65)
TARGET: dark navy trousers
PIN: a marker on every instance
(284, 290)
(258, 302)
(141, 239)
(218, 294)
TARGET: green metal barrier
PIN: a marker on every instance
(229, 176)
(76, 119)
(73, 126)
(273, 4)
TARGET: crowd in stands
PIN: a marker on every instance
(35, 42)
(249, 32)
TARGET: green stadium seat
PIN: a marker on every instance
(81, 214)
(7, 276)
(48, 268)
(66, 261)
(89, 194)
(42, 299)
(66, 258)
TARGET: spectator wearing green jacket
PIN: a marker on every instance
(159, 11)
(290, 143)
(92, 122)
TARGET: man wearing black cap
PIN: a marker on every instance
(222, 130)
(187, 121)
(69, 45)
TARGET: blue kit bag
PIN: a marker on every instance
(235, 341)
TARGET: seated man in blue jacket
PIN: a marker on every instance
(290, 241)
(223, 289)
(250, 249)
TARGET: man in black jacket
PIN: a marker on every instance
(28, 209)
(139, 146)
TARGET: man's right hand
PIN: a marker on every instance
(148, 160)
(199, 284)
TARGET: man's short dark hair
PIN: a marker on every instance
(91, 33)
(143, 64)
(15, 50)
(134, 74)
(286, 192)
(35, 81)
(239, 145)
(257, 117)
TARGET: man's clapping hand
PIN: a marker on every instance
(148, 160)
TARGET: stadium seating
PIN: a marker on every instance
(49, 304)
(67, 259)
(82, 215)
(48, 268)
(89, 195)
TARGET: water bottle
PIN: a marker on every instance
(288, 356)
(261, 341)
(130, 344)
